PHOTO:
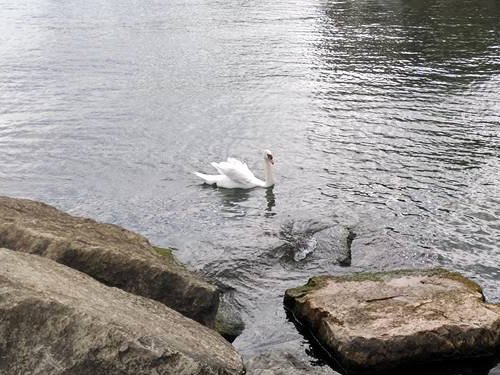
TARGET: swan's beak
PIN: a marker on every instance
(269, 157)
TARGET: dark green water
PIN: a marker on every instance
(383, 115)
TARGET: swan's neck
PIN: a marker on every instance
(268, 174)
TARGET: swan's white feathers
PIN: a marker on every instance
(209, 178)
(235, 174)
(236, 171)
(216, 166)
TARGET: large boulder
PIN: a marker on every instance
(109, 253)
(384, 321)
(56, 320)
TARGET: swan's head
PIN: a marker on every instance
(268, 157)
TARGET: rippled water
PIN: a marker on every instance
(384, 116)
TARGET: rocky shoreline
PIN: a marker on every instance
(110, 254)
(82, 297)
(102, 301)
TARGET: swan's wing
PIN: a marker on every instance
(241, 166)
(216, 166)
(235, 170)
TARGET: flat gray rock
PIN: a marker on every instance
(109, 253)
(55, 320)
(384, 321)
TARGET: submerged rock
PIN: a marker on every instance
(314, 240)
(384, 321)
(55, 320)
(338, 238)
(228, 321)
(109, 253)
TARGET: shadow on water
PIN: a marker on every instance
(271, 201)
(444, 42)
(232, 197)
(321, 357)
(232, 200)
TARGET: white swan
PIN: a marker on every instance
(233, 174)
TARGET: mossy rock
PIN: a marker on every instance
(167, 253)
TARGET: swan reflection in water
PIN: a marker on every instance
(233, 200)
(271, 201)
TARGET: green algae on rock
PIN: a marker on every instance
(376, 322)
(167, 253)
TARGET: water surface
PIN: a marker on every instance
(384, 116)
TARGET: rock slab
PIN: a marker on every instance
(55, 320)
(113, 255)
(380, 322)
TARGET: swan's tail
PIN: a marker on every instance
(208, 178)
